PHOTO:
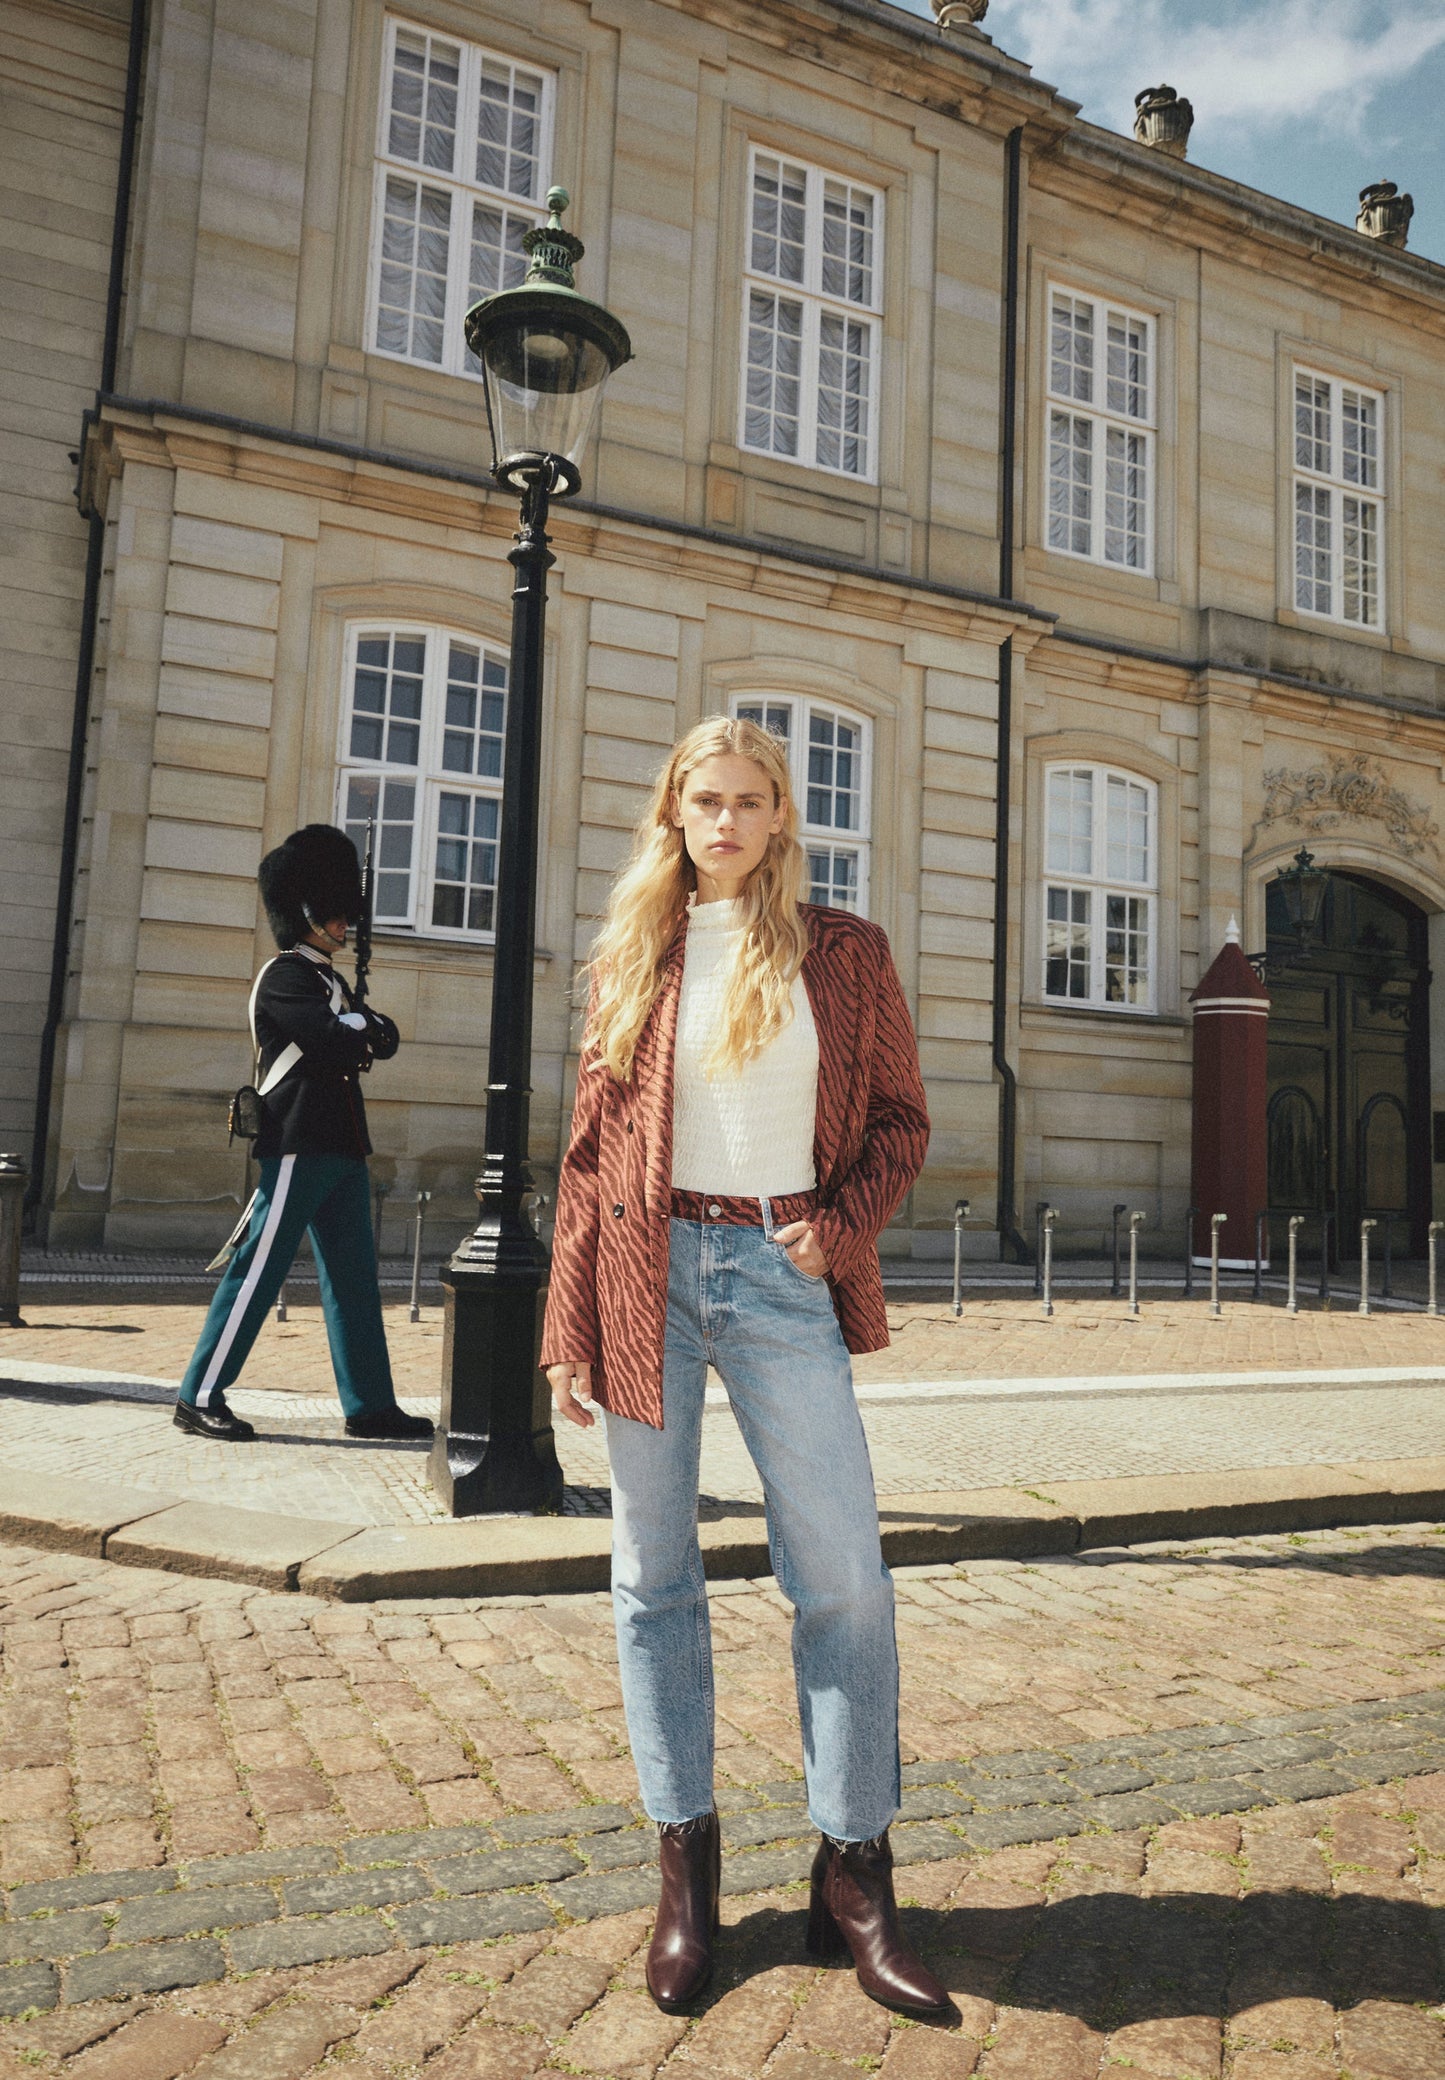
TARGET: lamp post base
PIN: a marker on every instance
(494, 1452)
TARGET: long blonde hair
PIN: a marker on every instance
(650, 896)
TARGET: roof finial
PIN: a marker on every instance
(1231, 931)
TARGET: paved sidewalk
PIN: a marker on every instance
(402, 1779)
(1000, 1398)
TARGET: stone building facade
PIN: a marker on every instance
(943, 398)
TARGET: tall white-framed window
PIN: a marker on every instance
(464, 156)
(421, 755)
(1100, 887)
(1339, 494)
(830, 759)
(812, 317)
(1099, 495)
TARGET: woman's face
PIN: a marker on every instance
(726, 811)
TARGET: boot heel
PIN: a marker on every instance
(825, 1938)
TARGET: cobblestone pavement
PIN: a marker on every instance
(1171, 1811)
(985, 1435)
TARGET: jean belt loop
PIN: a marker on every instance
(767, 1207)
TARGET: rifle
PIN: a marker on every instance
(363, 923)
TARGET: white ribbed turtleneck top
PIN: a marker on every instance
(747, 1133)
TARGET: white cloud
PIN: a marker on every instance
(1310, 60)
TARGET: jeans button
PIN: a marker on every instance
(716, 1212)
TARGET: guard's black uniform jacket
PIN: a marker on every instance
(318, 1109)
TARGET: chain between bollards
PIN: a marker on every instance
(1296, 1222)
(1365, 1227)
(1216, 1222)
(960, 1215)
(421, 1203)
(1136, 1222)
(1432, 1237)
(1047, 1217)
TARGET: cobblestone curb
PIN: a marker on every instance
(548, 1555)
(100, 1935)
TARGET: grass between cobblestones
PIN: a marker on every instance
(1179, 1812)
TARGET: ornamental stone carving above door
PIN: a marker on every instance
(1348, 790)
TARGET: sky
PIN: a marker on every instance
(1307, 99)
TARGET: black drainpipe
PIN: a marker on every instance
(1012, 1245)
(90, 600)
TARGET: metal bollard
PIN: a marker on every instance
(1432, 1236)
(1119, 1212)
(1046, 1221)
(1365, 1227)
(1039, 1211)
(960, 1215)
(1189, 1252)
(421, 1201)
(1296, 1222)
(380, 1193)
(1259, 1221)
(14, 1176)
(1216, 1222)
(1327, 1222)
(281, 1305)
(1387, 1290)
(1136, 1222)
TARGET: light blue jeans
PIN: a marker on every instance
(737, 1302)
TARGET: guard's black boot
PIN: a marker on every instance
(388, 1422)
(853, 1910)
(214, 1420)
(679, 1960)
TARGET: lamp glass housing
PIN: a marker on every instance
(1303, 887)
(544, 384)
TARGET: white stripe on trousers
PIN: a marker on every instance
(248, 1284)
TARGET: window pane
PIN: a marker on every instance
(1126, 950)
(775, 359)
(1066, 942)
(509, 129)
(412, 283)
(847, 242)
(422, 124)
(1360, 560)
(833, 877)
(1127, 382)
(843, 386)
(779, 220)
(1313, 581)
(475, 714)
(1126, 814)
(1071, 483)
(1070, 845)
(1312, 424)
(1126, 498)
(835, 773)
(1071, 349)
(465, 869)
(1360, 430)
(497, 259)
(776, 716)
(391, 805)
(386, 698)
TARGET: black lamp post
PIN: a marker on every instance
(545, 352)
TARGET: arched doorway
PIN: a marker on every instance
(1349, 1062)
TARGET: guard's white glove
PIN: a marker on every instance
(355, 1019)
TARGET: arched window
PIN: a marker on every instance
(421, 756)
(1100, 887)
(830, 757)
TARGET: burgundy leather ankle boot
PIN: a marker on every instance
(679, 1961)
(853, 1910)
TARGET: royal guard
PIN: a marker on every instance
(314, 1037)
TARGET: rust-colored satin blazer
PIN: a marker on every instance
(607, 1302)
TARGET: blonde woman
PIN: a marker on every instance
(749, 1115)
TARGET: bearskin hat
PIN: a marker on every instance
(314, 871)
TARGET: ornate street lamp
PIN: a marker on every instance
(1303, 888)
(545, 352)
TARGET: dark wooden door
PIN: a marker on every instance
(1348, 1064)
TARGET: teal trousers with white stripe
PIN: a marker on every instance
(328, 1197)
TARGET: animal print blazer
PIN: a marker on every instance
(607, 1301)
